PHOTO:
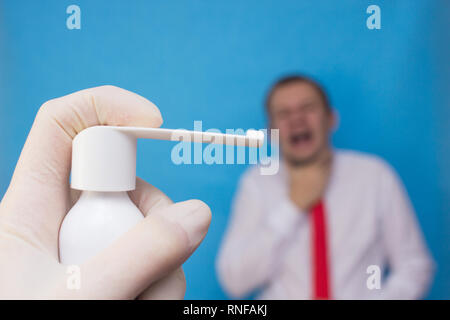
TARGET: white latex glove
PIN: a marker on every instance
(144, 263)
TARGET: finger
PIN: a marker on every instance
(147, 197)
(47, 150)
(149, 251)
(171, 287)
(42, 172)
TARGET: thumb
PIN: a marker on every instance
(146, 253)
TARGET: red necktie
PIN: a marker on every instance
(321, 289)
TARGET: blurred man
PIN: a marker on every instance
(332, 224)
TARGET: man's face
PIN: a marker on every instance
(298, 111)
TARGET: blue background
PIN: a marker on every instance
(213, 61)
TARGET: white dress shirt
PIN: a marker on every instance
(370, 222)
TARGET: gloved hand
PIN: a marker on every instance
(143, 263)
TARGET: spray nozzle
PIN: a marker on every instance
(104, 157)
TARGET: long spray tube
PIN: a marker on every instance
(104, 157)
(252, 138)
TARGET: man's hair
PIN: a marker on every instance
(297, 78)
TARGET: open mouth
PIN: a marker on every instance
(301, 138)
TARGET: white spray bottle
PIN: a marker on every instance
(104, 168)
